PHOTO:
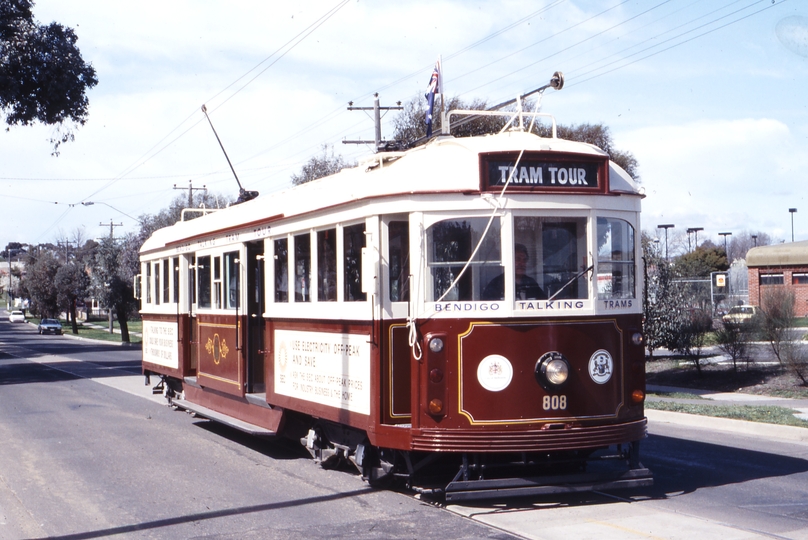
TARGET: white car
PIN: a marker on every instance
(16, 316)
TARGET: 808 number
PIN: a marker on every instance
(554, 403)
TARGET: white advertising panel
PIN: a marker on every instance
(160, 344)
(325, 368)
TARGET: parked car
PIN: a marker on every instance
(49, 326)
(16, 316)
(741, 316)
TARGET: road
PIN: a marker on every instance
(87, 452)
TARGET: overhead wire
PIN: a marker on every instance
(768, 6)
(289, 45)
(334, 113)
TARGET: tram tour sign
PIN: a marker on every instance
(534, 173)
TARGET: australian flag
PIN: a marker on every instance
(433, 88)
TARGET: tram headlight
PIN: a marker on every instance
(436, 345)
(637, 338)
(552, 369)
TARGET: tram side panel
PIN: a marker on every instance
(324, 370)
(166, 345)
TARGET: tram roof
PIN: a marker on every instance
(793, 254)
(445, 164)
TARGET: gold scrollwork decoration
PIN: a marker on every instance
(217, 347)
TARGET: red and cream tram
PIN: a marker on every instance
(470, 306)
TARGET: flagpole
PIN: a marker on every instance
(440, 90)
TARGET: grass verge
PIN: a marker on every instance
(99, 334)
(766, 414)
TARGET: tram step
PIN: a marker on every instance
(222, 418)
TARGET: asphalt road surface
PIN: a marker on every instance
(86, 451)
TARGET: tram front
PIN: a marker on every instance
(527, 348)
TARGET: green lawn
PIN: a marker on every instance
(752, 413)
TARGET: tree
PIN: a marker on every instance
(43, 77)
(171, 215)
(410, 125)
(72, 284)
(742, 242)
(324, 164)
(39, 284)
(113, 274)
(664, 300)
(776, 321)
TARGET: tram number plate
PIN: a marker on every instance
(554, 403)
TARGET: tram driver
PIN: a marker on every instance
(526, 288)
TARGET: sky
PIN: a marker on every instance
(710, 97)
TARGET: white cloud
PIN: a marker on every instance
(720, 174)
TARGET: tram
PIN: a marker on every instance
(464, 316)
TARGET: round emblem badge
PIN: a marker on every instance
(495, 373)
(601, 366)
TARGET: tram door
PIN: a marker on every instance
(193, 329)
(254, 313)
(396, 361)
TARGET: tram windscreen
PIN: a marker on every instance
(615, 259)
(450, 245)
(550, 258)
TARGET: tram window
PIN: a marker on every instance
(450, 244)
(231, 278)
(203, 280)
(353, 240)
(549, 255)
(156, 282)
(282, 270)
(217, 282)
(175, 265)
(166, 282)
(302, 267)
(327, 265)
(148, 283)
(399, 240)
(615, 259)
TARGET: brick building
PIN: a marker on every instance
(779, 265)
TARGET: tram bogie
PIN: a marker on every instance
(464, 317)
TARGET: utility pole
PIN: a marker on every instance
(191, 190)
(67, 246)
(377, 119)
(111, 227)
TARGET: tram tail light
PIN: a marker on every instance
(638, 396)
(435, 395)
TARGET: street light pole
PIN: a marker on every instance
(792, 211)
(726, 252)
(666, 227)
(694, 230)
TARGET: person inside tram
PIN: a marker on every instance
(526, 287)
